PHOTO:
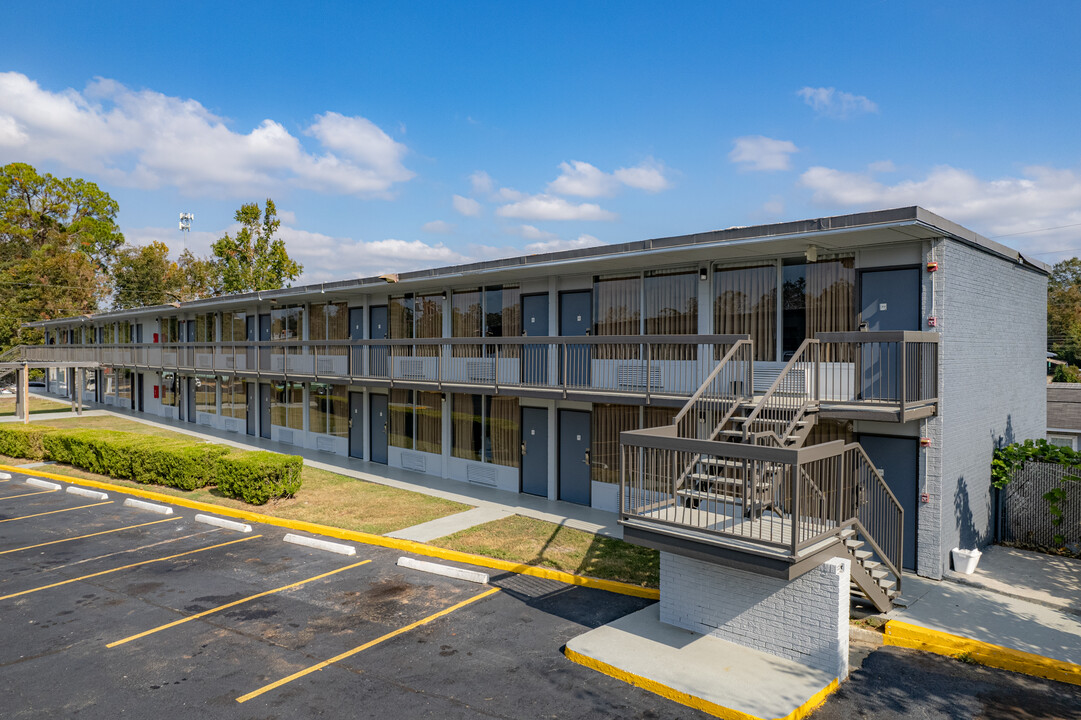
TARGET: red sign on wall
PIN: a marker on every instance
(156, 389)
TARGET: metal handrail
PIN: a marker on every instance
(762, 404)
(712, 376)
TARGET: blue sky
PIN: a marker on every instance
(401, 135)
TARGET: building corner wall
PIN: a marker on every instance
(993, 320)
(805, 620)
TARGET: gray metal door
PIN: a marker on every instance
(379, 353)
(574, 461)
(889, 300)
(356, 424)
(264, 336)
(576, 320)
(535, 451)
(181, 397)
(249, 333)
(139, 333)
(899, 460)
(250, 406)
(264, 410)
(379, 428)
(191, 331)
(192, 385)
(138, 389)
(535, 324)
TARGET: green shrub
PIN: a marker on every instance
(252, 476)
(1067, 374)
(23, 441)
(258, 476)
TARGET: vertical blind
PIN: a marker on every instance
(745, 303)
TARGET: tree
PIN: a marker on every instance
(58, 240)
(200, 276)
(1064, 310)
(145, 276)
(254, 259)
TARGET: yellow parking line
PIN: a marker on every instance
(39, 492)
(83, 537)
(233, 604)
(361, 648)
(53, 512)
(125, 567)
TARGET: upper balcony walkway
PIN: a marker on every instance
(890, 376)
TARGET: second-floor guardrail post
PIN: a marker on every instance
(903, 385)
(794, 469)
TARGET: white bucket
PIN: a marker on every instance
(964, 561)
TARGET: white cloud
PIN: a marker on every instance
(508, 195)
(773, 206)
(529, 232)
(148, 139)
(466, 206)
(831, 102)
(440, 227)
(482, 182)
(756, 152)
(548, 246)
(649, 176)
(550, 207)
(1043, 197)
(585, 180)
(582, 179)
(882, 166)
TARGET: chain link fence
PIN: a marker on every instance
(1025, 516)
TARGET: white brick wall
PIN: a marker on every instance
(805, 619)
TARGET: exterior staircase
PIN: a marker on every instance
(783, 418)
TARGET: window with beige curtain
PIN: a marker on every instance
(287, 406)
(206, 394)
(328, 409)
(467, 419)
(503, 431)
(329, 321)
(617, 310)
(502, 317)
(400, 312)
(168, 389)
(671, 308)
(467, 321)
(233, 327)
(233, 399)
(429, 421)
(608, 421)
(831, 303)
(745, 303)
(659, 416)
(428, 319)
(401, 418)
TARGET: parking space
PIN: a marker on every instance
(110, 610)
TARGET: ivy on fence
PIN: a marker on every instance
(1009, 458)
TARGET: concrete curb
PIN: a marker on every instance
(152, 507)
(87, 493)
(219, 522)
(42, 484)
(318, 544)
(916, 637)
(444, 570)
(409, 546)
(689, 700)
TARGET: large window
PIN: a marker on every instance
(608, 421)
(329, 321)
(400, 409)
(168, 389)
(745, 303)
(486, 428)
(123, 384)
(234, 327)
(287, 406)
(491, 312)
(428, 322)
(205, 328)
(328, 409)
(234, 399)
(170, 330)
(287, 323)
(206, 394)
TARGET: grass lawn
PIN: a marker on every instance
(324, 497)
(544, 544)
(37, 405)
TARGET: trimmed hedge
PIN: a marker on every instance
(252, 476)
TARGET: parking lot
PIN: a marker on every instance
(111, 611)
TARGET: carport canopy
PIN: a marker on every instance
(22, 383)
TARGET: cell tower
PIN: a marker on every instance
(185, 227)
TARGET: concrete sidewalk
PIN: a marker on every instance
(1017, 614)
(497, 503)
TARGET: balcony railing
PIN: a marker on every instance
(879, 371)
